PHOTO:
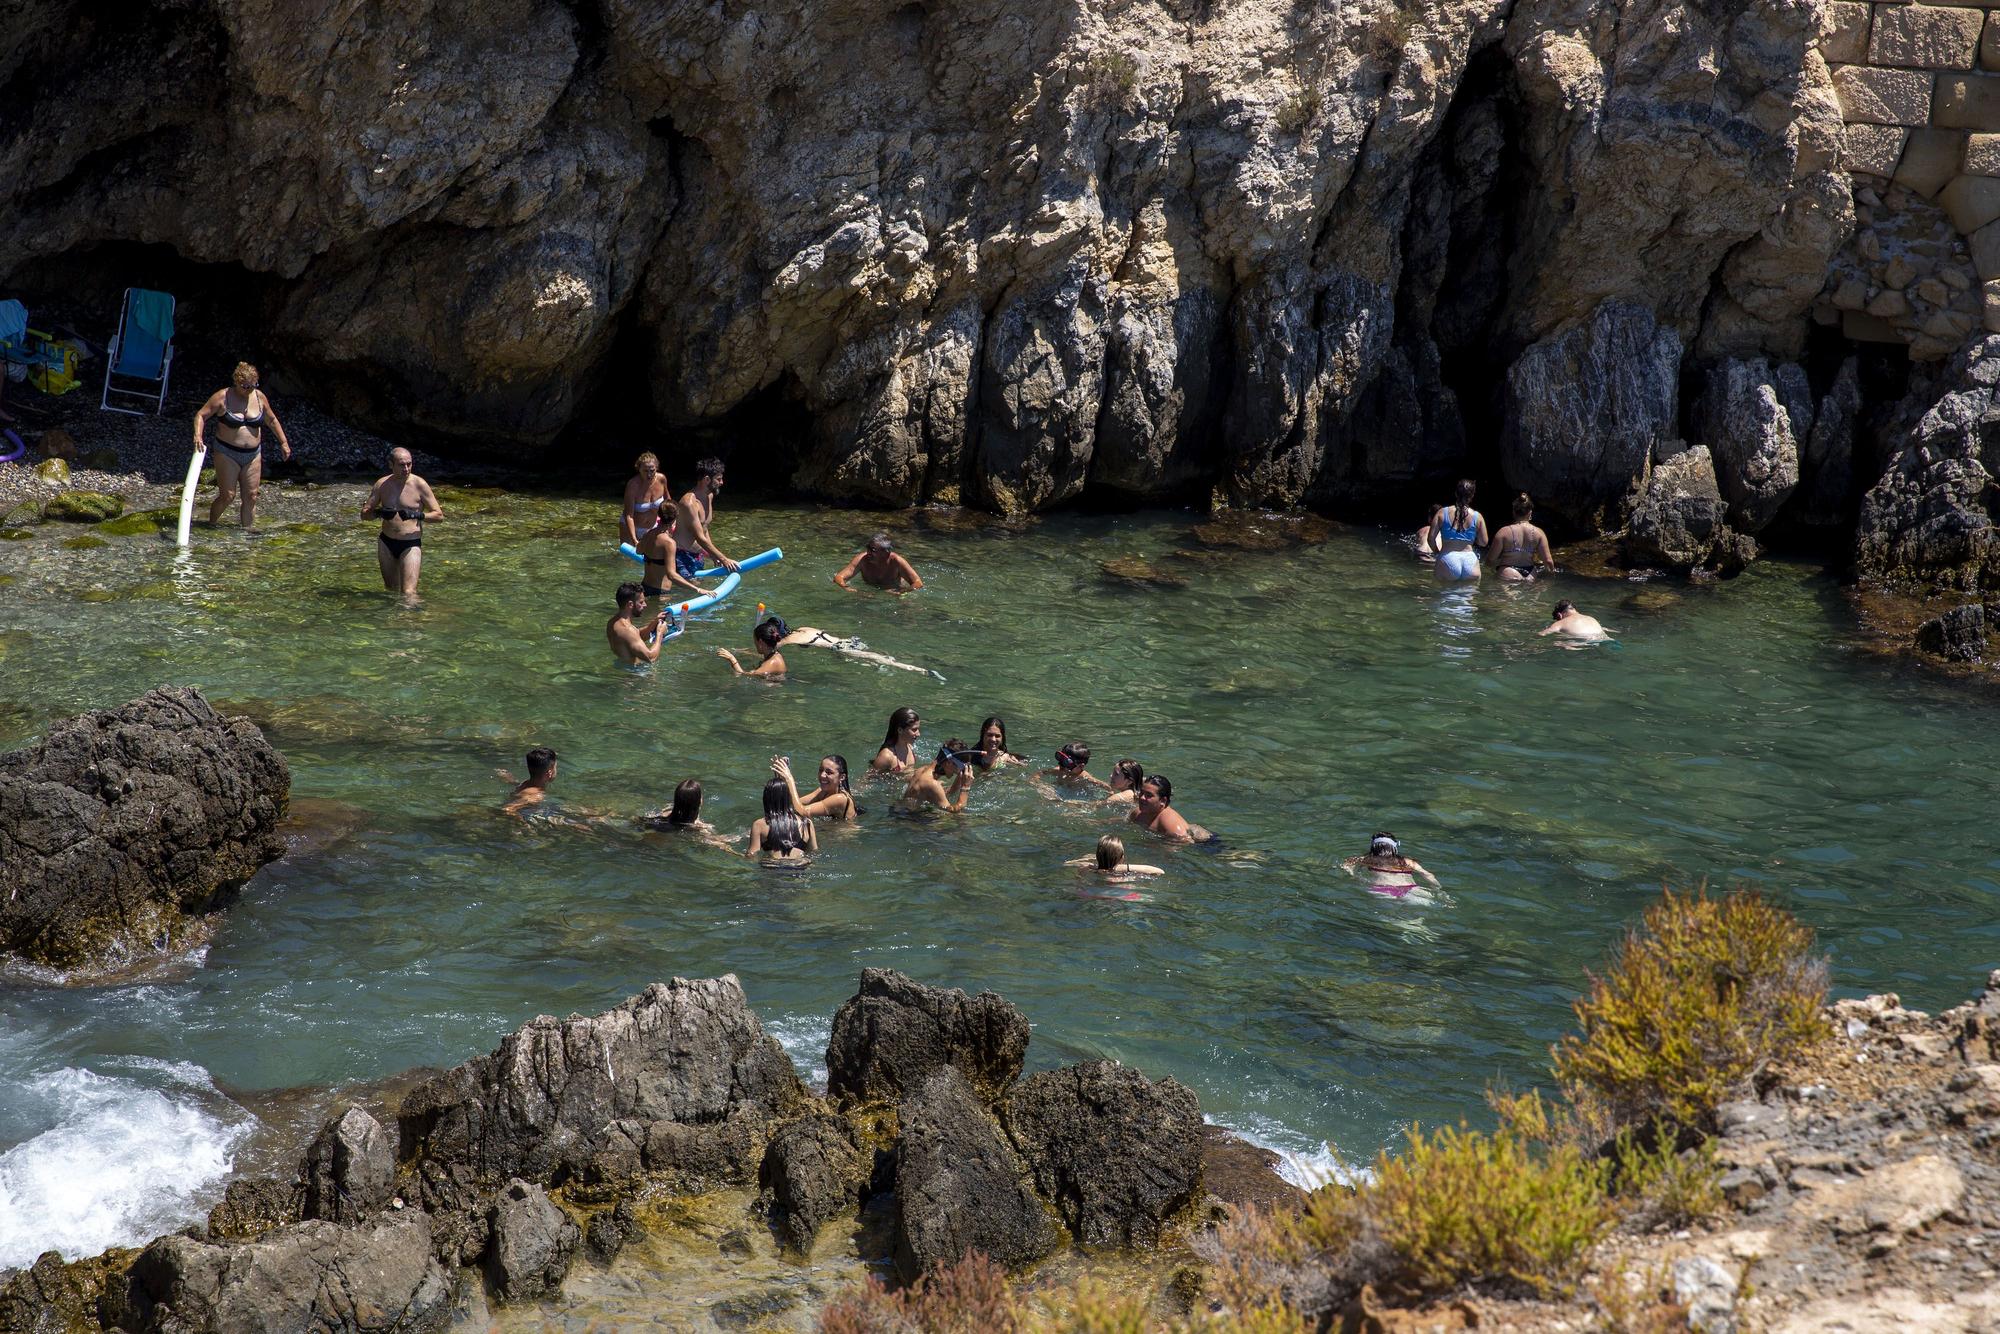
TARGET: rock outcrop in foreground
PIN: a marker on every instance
(501, 1170)
(121, 829)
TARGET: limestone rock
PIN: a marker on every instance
(48, 1297)
(890, 1036)
(120, 828)
(1958, 636)
(1588, 408)
(350, 1169)
(534, 1243)
(252, 1206)
(1708, 1293)
(1753, 416)
(315, 1275)
(960, 1186)
(1899, 1198)
(556, 1090)
(814, 1171)
(1680, 515)
(1119, 1155)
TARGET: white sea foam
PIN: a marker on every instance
(1300, 1162)
(804, 1038)
(123, 1158)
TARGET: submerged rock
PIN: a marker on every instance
(960, 1186)
(890, 1036)
(83, 506)
(1957, 636)
(1137, 570)
(121, 828)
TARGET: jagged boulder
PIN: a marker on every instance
(121, 828)
(558, 1091)
(1930, 519)
(48, 1297)
(1957, 636)
(1679, 517)
(252, 1206)
(814, 1171)
(960, 1186)
(1825, 498)
(350, 1169)
(319, 1276)
(611, 1230)
(1753, 417)
(534, 1243)
(890, 1036)
(1588, 408)
(1119, 1155)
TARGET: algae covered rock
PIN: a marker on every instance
(53, 470)
(84, 506)
(84, 542)
(140, 523)
(813, 1172)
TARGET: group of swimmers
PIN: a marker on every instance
(1456, 534)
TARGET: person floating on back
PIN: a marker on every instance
(691, 523)
(881, 566)
(404, 502)
(1386, 871)
(532, 790)
(1569, 623)
(632, 640)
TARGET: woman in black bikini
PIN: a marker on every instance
(404, 502)
(1520, 548)
(241, 412)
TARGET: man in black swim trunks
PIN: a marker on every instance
(405, 503)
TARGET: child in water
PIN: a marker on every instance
(1388, 872)
(1110, 862)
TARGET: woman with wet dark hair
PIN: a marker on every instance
(1386, 871)
(1457, 535)
(781, 834)
(992, 751)
(899, 747)
(765, 637)
(834, 799)
(1126, 775)
(1520, 549)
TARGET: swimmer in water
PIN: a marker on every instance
(1109, 860)
(899, 746)
(1520, 549)
(927, 786)
(631, 641)
(645, 493)
(1387, 871)
(833, 800)
(1153, 811)
(1424, 552)
(1126, 775)
(766, 636)
(1072, 769)
(693, 516)
(848, 647)
(1458, 531)
(881, 566)
(656, 548)
(534, 789)
(781, 834)
(685, 817)
(1569, 623)
(992, 751)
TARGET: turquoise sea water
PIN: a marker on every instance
(1299, 698)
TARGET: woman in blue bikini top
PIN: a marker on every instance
(1457, 533)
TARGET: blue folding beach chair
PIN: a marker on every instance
(24, 346)
(141, 352)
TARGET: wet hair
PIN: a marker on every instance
(244, 377)
(880, 542)
(1165, 785)
(995, 721)
(1523, 507)
(708, 468)
(670, 513)
(840, 763)
(687, 802)
(1130, 771)
(1073, 756)
(540, 760)
(1110, 852)
(648, 457)
(900, 719)
(785, 828)
(947, 753)
(628, 593)
(769, 631)
(1462, 506)
(1384, 845)
(1561, 607)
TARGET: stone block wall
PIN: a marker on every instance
(1919, 88)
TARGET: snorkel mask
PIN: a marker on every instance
(1066, 758)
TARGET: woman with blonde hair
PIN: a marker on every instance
(644, 494)
(241, 412)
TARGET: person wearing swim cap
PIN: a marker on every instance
(1569, 623)
(765, 637)
(633, 641)
(1386, 871)
(879, 565)
(927, 782)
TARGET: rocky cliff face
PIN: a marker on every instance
(997, 252)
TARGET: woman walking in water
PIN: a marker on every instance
(1457, 533)
(644, 494)
(781, 834)
(899, 747)
(1520, 548)
(1386, 871)
(241, 412)
(834, 799)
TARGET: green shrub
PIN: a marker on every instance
(1662, 1183)
(1697, 1001)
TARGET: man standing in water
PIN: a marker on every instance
(697, 512)
(541, 772)
(404, 502)
(1569, 623)
(882, 567)
(629, 642)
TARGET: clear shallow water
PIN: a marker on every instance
(1299, 699)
